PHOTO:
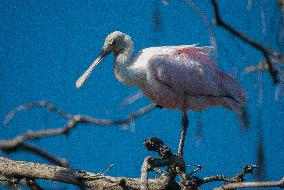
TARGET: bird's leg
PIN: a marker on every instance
(184, 123)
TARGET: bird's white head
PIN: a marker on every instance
(117, 42)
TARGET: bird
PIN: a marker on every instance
(184, 77)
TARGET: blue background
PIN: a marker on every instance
(46, 45)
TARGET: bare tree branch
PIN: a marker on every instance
(14, 174)
(267, 53)
(31, 105)
(238, 178)
(38, 151)
(18, 171)
(168, 159)
(78, 119)
(233, 186)
(175, 166)
(262, 66)
(31, 170)
(73, 121)
(19, 143)
(15, 183)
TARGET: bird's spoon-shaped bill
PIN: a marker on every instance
(87, 73)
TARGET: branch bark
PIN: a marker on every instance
(31, 170)
(13, 172)
(19, 142)
(233, 186)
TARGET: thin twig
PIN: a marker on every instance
(233, 186)
(266, 52)
(238, 178)
(38, 151)
(219, 178)
(19, 142)
(262, 66)
(198, 168)
(6, 147)
(31, 105)
(108, 169)
(73, 121)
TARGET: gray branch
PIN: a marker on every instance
(19, 142)
(233, 186)
(31, 170)
(267, 53)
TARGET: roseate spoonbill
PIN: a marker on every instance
(176, 77)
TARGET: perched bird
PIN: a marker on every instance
(176, 77)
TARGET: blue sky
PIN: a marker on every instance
(46, 45)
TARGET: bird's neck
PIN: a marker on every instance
(124, 68)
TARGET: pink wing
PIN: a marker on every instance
(204, 55)
(196, 78)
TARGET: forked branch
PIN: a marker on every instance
(267, 53)
(19, 143)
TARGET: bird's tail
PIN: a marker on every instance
(233, 89)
